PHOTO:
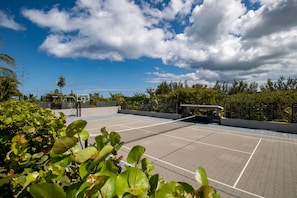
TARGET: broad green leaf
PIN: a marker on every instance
(101, 141)
(63, 144)
(201, 176)
(115, 138)
(103, 153)
(75, 127)
(63, 161)
(132, 181)
(109, 188)
(47, 190)
(170, 190)
(147, 166)
(82, 187)
(71, 190)
(154, 180)
(83, 135)
(37, 155)
(83, 171)
(188, 188)
(135, 154)
(104, 132)
(96, 184)
(84, 154)
(31, 177)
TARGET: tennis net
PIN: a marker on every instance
(138, 133)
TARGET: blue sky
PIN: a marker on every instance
(123, 46)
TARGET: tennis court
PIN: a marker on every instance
(239, 162)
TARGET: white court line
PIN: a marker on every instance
(151, 125)
(247, 163)
(188, 171)
(157, 124)
(198, 142)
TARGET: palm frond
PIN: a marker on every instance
(8, 60)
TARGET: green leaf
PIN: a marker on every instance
(75, 127)
(63, 161)
(188, 188)
(29, 129)
(109, 188)
(47, 190)
(170, 190)
(101, 141)
(24, 159)
(135, 154)
(83, 171)
(7, 121)
(96, 185)
(6, 180)
(206, 191)
(115, 138)
(132, 181)
(154, 180)
(201, 176)
(107, 150)
(147, 166)
(83, 135)
(84, 154)
(82, 187)
(63, 144)
(31, 177)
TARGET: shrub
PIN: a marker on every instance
(48, 160)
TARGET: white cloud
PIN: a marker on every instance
(199, 76)
(221, 39)
(8, 21)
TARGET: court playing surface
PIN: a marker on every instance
(239, 162)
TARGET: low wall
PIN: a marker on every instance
(254, 124)
(152, 114)
(90, 111)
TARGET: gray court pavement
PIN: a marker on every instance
(239, 162)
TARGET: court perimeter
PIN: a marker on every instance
(239, 162)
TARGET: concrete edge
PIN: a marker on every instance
(266, 125)
(90, 111)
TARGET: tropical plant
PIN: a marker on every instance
(61, 83)
(36, 166)
(8, 78)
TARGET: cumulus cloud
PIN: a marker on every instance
(223, 39)
(199, 76)
(8, 21)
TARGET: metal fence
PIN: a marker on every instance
(151, 105)
(285, 112)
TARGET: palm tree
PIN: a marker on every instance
(8, 78)
(61, 83)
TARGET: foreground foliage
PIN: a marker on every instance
(44, 158)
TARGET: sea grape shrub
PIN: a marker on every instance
(26, 131)
(45, 158)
